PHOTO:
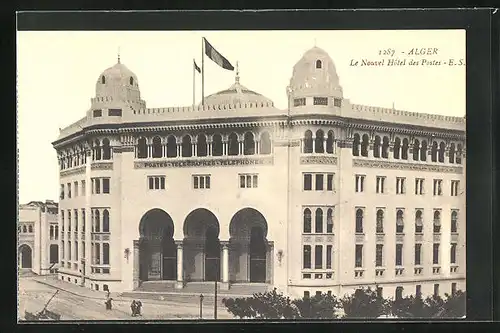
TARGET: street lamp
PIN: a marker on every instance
(201, 306)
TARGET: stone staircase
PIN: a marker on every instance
(196, 288)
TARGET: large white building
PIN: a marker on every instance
(325, 195)
(37, 229)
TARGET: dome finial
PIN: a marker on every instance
(118, 54)
(237, 79)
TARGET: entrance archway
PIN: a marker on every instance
(26, 254)
(249, 250)
(202, 250)
(157, 249)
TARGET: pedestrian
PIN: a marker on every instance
(138, 305)
(133, 307)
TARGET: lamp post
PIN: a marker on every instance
(201, 306)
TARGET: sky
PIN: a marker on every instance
(57, 73)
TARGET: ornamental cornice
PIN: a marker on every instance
(205, 162)
(380, 164)
(124, 149)
(74, 171)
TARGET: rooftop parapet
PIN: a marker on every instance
(406, 117)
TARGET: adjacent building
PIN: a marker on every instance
(38, 237)
(323, 196)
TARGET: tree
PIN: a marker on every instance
(268, 305)
(435, 305)
(415, 307)
(318, 307)
(364, 303)
(454, 305)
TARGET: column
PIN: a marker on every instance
(195, 149)
(224, 148)
(178, 149)
(302, 145)
(209, 149)
(313, 138)
(225, 265)
(136, 268)
(324, 145)
(241, 148)
(257, 147)
(180, 271)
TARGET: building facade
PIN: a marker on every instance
(38, 237)
(324, 196)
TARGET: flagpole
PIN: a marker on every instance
(202, 71)
(194, 84)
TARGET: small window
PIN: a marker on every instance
(299, 102)
(306, 294)
(248, 181)
(105, 185)
(318, 64)
(131, 81)
(201, 181)
(97, 113)
(156, 182)
(337, 102)
(307, 182)
(320, 101)
(115, 112)
(103, 79)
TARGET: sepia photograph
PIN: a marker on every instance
(200, 175)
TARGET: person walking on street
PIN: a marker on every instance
(133, 307)
(139, 306)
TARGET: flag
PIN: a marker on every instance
(216, 56)
(196, 66)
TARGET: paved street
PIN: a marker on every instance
(77, 303)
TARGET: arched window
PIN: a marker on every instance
(434, 151)
(452, 153)
(437, 221)
(404, 150)
(265, 143)
(319, 142)
(25, 229)
(103, 80)
(171, 146)
(454, 221)
(399, 293)
(380, 221)
(318, 221)
(157, 149)
(458, 158)
(419, 225)
(217, 149)
(56, 232)
(105, 221)
(308, 142)
(233, 145)
(142, 148)
(355, 145)
(442, 147)
(376, 146)
(329, 143)
(397, 148)
(359, 221)
(385, 147)
(97, 221)
(187, 147)
(399, 221)
(329, 221)
(423, 151)
(248, 144)
(97, 148)
(30, 228)
(318, 63)
(131, 81)
(416, 149)
(201, 145)
(364, 145)
(307, 221)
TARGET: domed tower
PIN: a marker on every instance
(117, 85)
(315, 81)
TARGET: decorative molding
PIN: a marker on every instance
(380, 164)
(318, 160)
(123, 149)
(102, 166)
(75, 171)
(287, 143)
(229, 161)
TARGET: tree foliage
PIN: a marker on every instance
(322, 306)
(364, 303)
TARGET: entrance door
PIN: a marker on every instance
(258, 250)
(212, 255)
(26, 256)
(169, 267)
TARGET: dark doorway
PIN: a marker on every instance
(258, 252)
(157, 249)
(26, 256)
(212, 255)
(54, 253)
